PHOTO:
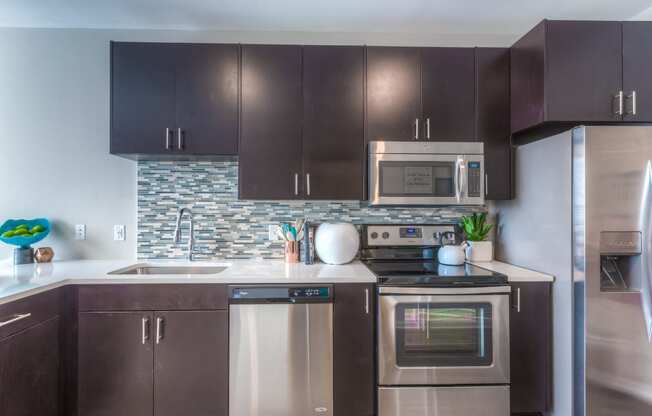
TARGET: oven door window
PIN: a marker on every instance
(417, 178)
(443, 335)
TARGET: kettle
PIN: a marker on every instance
(452, 255)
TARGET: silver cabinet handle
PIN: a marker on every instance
(159, 330)
(296, 184)
(518, 299)
(416, 129)
(366, 301)
(619, 103)
(168, 145)
(632, 97)
(486, 184)
(145, 330)
(180, 139)
(15, 318)
(428, 128)
(308, 184)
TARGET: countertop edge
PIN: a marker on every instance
(515, 274)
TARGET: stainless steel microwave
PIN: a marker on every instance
(426, 173)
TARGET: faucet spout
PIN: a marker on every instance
(191, 234)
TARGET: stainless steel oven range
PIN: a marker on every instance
(443, 331)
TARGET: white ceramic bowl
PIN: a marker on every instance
(337, 243)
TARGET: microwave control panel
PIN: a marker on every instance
(474, 179)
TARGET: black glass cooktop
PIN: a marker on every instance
(431, 273)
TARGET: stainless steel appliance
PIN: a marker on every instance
(426, 173)
(281, 351)
(592, 187)
(443, 331)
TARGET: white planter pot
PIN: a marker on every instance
(480, 251)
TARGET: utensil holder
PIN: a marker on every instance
(291, 251)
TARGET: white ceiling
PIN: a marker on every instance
(416, 16)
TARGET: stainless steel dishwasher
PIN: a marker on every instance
(280, 350)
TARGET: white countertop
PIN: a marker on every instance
(25, 280)
(514, 273)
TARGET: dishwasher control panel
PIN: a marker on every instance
(279, 294)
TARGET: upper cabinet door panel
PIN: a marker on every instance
(584, 70)
(207, 99)
(333, 128)
(448, 78)
(637, 70)
(270, 138)
(142, 97)
(393, 92)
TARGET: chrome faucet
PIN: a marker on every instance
(191, 235)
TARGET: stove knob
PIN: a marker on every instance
(374, 235)
(385, 235)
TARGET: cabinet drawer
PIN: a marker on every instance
(24, 313)
(138, 297)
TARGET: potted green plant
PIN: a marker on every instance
(476, 230)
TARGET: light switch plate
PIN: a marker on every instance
(272, 232)
(80, 232)
(119, 232)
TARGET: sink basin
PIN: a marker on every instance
(148, 269)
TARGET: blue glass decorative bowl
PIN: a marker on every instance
(24, 241)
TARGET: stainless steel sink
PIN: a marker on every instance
(149, 269)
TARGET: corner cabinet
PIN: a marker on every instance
(302, 122)
(171, 101)
(569, 72)
(531, 348)
(152, 350)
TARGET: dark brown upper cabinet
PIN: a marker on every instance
(492, 122)
(174, 100)
(393, 93)
(637, 71)
(333, 122)
(448, 93)
(420, 93)
(302, 118)
(569, 72)
(270, 139)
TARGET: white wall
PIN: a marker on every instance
(534, 231)
(54, 126)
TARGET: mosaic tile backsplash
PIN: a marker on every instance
(226, 228)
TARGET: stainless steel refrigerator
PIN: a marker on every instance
(583, 212)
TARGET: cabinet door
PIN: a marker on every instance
(115, 364)
(393, 93)
(207, 99)
(531, 348)
(584, 70)
(191, 363)
(637, 70)
(492, 69)
(448, 78)
(142, 97)
(333, 128)
(29, 371)
(270, 138)
(354, 381)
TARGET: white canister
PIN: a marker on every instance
(480, 251)
(337, 243)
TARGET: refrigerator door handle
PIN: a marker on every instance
(645, 221)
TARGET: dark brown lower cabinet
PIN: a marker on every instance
(153, 363)
(190, 363)
(354, 382)
(29, 371)
(531, 348)
(115, 364)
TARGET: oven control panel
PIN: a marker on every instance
(407, 235)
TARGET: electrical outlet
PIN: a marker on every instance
(80, 232)
(272, 233)
(119, 233)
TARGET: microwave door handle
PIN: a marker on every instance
(458, 179)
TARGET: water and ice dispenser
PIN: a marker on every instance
(620, 260)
